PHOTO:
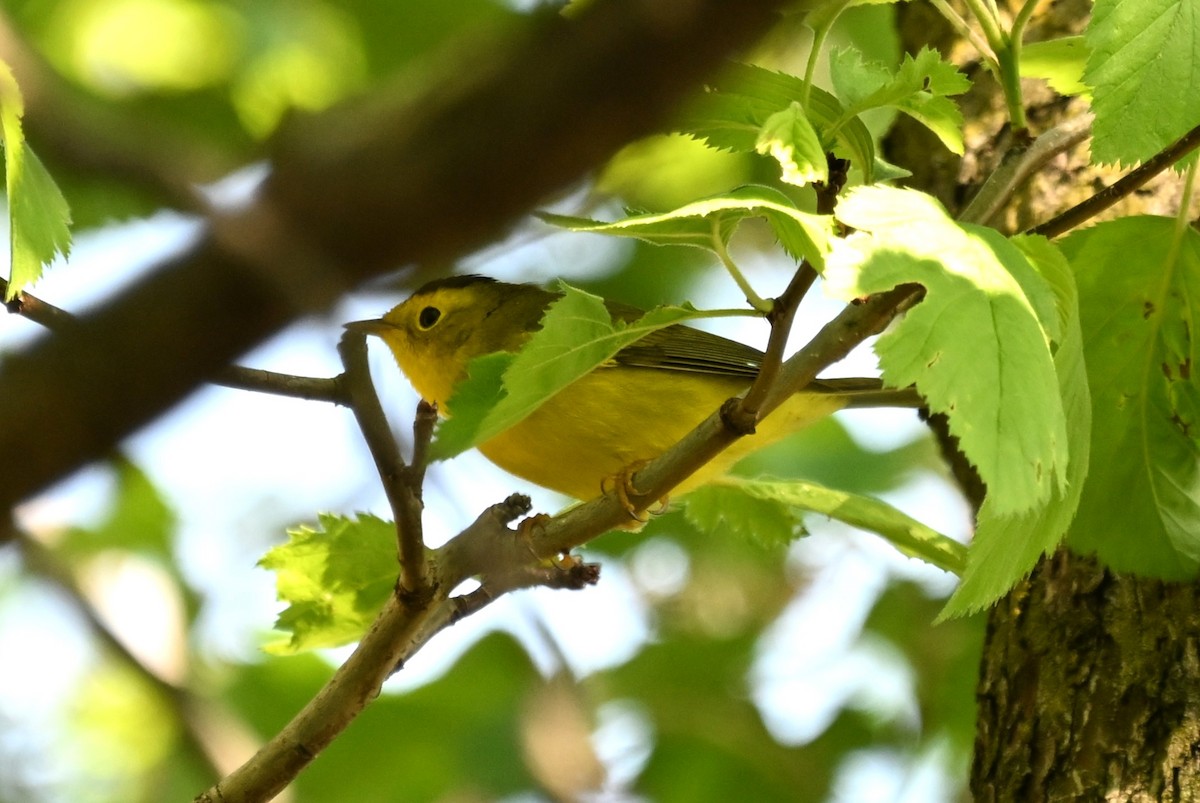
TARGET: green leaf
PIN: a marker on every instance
(710, 223)
(578, 334)
(1143, 55)
(1060, 62)
(39, 219)
(727, 510)
(790, 139)
(1139, 281)
(472, 400)
(904, 532)
(335, 579)
(920, 88)
(1005, 548)
(732, 113)
(975, 346)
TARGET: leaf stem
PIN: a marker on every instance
(967, 32)
(820, 34)
(756, 301)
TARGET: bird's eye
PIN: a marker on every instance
(428, 317)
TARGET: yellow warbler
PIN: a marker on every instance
(627, 411)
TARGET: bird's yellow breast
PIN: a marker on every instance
(613, 418)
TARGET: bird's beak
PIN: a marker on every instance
(374, 326)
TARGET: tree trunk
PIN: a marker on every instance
(1089, 689)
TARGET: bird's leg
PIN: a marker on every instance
(621, 484)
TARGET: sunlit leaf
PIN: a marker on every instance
(1060, 62)
(1141, 56)
(789, 138)
(38, 217)
(710, 223)
(334, 578)
(976, 346)
(1005, 548)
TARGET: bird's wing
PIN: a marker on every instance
(682, 348)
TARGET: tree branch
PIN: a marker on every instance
(355, 192)
(1020, 164)
(1086, 210)
(402, 486)
(398, 632)
(56, 319)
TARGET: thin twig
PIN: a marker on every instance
(423, 423)
(743, 415)
(40, 312)
(309, 388)
(1086, 210)
(403, 496)
(1020, 164)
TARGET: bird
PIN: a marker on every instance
(619, 416)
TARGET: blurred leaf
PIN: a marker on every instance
(1005, 548)
(121, 730)
(945, 660)
(975, 347)
(335, 580)
(710, 743)
(456, 736)
(668, 171)
(1141, 54)
(140, 519)
(38, 217)
(1138, 280)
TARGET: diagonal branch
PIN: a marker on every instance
(1127, 184)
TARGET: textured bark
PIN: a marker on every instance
(1090, 689)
